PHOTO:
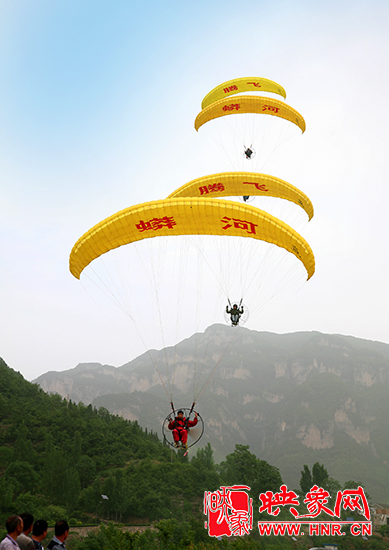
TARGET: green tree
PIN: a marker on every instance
(205, 457)
(165, 532)
(7, 493)
(90, 498)
(306, 479)
(244, 468)
(118, 490)
(319, 475)
(86, 469)
(72, 491)
(23, 450)
(207, 477)
(23, 476)
(76, 449)
(55, 469)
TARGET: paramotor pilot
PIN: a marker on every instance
(235, 313)
(180, 427)
(248, 153)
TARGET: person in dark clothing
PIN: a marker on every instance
(248, 153)
(39, 533)
(61, 530)
(235, 314)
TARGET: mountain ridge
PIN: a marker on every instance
(294, 398)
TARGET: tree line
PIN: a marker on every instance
(62, 460)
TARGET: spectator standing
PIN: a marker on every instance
(39, 533)
(14, 526)
(24, 541)
(61, 530)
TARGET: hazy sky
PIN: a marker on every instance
(97, 105)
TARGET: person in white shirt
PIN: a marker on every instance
(14, 526)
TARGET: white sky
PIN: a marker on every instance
(97, 104)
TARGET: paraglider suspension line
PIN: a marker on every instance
(216, 366)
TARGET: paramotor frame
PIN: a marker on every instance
(243, 317)
(194, 434)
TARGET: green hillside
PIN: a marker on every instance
(58, 450)
(291, 397)
(58, 458)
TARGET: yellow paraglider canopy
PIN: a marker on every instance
(185, 216)
(234, 184)
(239, 85)
(249, 104)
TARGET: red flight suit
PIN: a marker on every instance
(180, 428)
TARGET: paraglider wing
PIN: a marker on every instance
(239, 85)
(234, 184)
(250, 104)
(185, 216)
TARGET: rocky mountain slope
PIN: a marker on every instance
(294, 399)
